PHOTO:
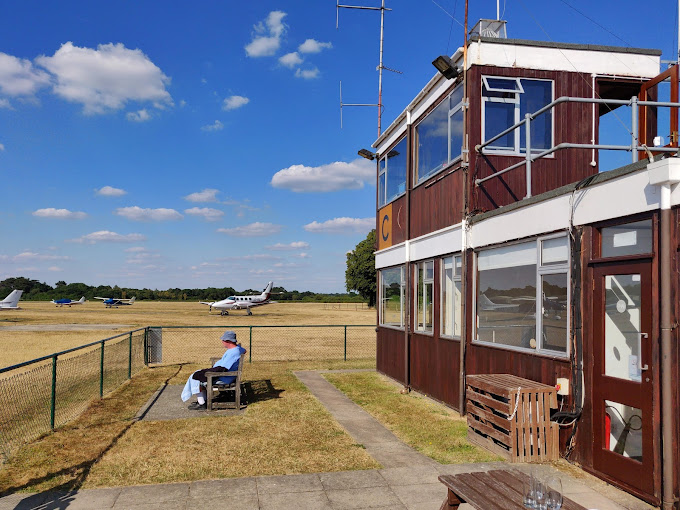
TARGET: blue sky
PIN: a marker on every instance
(183, 144)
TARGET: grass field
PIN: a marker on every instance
(47, 322)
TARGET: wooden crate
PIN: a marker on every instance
(510, 416)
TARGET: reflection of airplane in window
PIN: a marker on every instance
(484, 303)
(11, 301)
(68, 302)
(241, 302)
(115, 302)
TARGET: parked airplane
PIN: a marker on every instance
(68, 302)
(241, 302)
(11, 301)
(116, 302)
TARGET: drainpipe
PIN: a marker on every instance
(666, 173)
(407, 259)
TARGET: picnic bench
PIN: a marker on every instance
(498, 489)
(217, 390)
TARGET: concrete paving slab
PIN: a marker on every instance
(166, 505)
(247, 502)
(227, 488)
(23, 501)
(288, 483)
(168, 492)
(166, 404)
(396, 454)
(94, 499)
(411, 495)
(370, 497)
(352, 480)
(316, 500)
(411, 475)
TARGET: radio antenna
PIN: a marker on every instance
(380, 68)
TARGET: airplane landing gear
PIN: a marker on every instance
(224, 312)
(249, 312)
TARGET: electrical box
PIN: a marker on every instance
(562, 386)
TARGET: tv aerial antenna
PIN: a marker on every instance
(380, 67)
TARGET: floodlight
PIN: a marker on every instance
(365, 153)
(446, 66)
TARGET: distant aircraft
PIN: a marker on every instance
(241, 302)
(11, 301)
(115, 302)
(68, 302)
(484, 303)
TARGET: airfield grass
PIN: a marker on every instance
(46, 322)
(288, 432)
(428, 426)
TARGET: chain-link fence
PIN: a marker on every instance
(39, 395)
(194, 344)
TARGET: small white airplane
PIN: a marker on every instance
(68, 302)
(116, 302)
(11, 301)
(241, 302)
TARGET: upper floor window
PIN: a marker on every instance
(505, 102)
(392, 174)
(439, 136)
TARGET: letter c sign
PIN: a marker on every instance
(385, 227)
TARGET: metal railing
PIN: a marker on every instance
(633, 147)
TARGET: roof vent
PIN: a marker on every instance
(489, 28)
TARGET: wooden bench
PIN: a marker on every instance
(499, 489)
(214, 387)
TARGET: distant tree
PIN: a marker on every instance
(360, 274)
(60, 283)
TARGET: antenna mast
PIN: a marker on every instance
(382, 10)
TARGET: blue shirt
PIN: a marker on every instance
(229, 360)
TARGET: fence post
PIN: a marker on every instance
(146, 346)
(101, 373)
(130, 357)
(54, 391)
(345, 343)
(250, 345)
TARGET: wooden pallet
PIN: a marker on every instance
(510, 416)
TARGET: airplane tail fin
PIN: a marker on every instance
(267, 290)
(12, 300)
(133, 299)
(82, 299)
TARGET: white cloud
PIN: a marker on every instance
(2, 147)
(313, 46)
(303, 255)
(136, 249)
(106, 236)
(108, 191)
(143, 257)
(207, 213)
(267, 36)
(18, 77)
(54, 269)
(62, 214)
(106, 78)
(136, 213)
(331, 177)
(4, 103)
(29, 255)
(215, 126)
(342, 226)
(207, 195)
(138, 116)
(296, 245)
(256, 229)
(307, 74)
(235, 102)
(290, 60)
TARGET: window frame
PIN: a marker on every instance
(402, 295)
(426, 281)
(541, 270)
(517, 149)
(383, 173)
(456, 277)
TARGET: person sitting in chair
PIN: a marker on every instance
(228, 363)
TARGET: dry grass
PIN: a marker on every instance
(430, 427)
(18, 346)
(285, 435)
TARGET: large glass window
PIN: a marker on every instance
(425, 279)
(512, 281)
(451, 303)
(505, 101)
(439, 136)
(392, 297)
(392, 174)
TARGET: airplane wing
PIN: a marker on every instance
(102, 298)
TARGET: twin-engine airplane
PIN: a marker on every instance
(68, 302)
(241, 302)
(116, 302)
(11, 301)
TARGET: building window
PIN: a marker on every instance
(392, 174)
(451, 306)
(425, 279)
(392, 297)
(439, 136)
(515, 281)
(505, 102)
(627, 239)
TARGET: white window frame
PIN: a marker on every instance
(384, 173)
(426, 281)
(562, 268)
(402, 295)
(457, 277)
(516, 150)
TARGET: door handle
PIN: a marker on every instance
(644, 367)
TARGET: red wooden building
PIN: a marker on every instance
(510, 241)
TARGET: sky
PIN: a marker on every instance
(197, 144)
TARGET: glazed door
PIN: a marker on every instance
(623, 375)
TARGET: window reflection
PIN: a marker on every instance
(392, 297)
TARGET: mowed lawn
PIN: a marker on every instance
(47, 322)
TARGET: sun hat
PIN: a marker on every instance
(228, 336)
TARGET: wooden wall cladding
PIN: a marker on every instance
(390, 353)
(435, 367)
(399, 216)
(572, 123)
(437, 203)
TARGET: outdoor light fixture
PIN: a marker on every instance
(365, 153)
(446, 66)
